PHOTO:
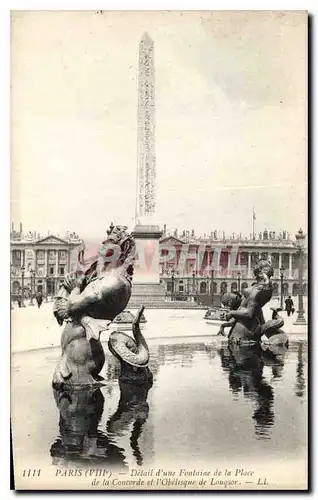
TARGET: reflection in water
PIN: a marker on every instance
(300, 377)
(80, 439)
(132, 408)
(244, 365)
(80, 414)
(184, 354)
(97, 428)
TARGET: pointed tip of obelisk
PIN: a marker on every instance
(146, 39)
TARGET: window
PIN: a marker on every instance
(51, 270)
(40, 270)
(62, 271)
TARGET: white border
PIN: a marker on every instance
(5, 8)
(5, 250)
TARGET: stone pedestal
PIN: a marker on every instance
(301, 320)
(146, 268)
(146, 287)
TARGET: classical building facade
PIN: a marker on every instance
(215, 264)
(38, 264)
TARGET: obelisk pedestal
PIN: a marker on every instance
(146, 269)
(146, 288)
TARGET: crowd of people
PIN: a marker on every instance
(38, 299)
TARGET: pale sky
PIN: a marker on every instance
(231, 113)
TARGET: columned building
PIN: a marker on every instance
(216, 264)
(39, 264)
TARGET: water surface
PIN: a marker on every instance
(207, 402)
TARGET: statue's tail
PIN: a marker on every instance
(275, 312)
(132, 352)
(272, 326)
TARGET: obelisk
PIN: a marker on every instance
(146, 232)
(146, 153)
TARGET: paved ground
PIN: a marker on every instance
(33, 328)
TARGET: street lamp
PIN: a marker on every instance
(22, 280)
(300, 240)
(172, 284)
(46, 285)
(11, 306)
(32, 272)
(281, 287)
(239, 280)
(212, 286)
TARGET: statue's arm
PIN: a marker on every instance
(228, 324)
(244, 312)
(78, 303)
(261, 317)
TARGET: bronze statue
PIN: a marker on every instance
(87, 303)
(133, 354)
(230, 300)
(246, 318)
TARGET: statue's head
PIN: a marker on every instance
(232, 300)
(119, 248)
(263, 271)
(116, 233)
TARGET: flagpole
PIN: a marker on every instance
(253, 224)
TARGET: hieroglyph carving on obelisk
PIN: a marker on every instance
(146, 168)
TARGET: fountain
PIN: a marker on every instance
(87, 303)
(246, 319)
